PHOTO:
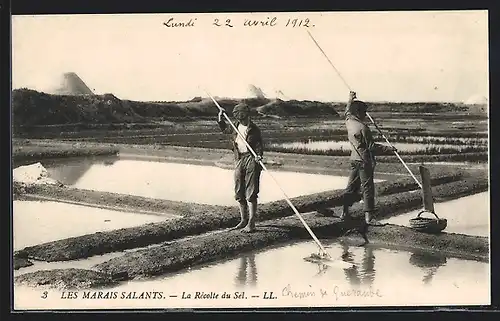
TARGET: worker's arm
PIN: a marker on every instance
(352, 96)
(222, 123)
(259, 145)
(376, 148)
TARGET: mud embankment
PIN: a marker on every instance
(154, 233)
(122, 201)
(24, 151)
(181, 254)
(65, 279)
(139, 203)
(20, 262)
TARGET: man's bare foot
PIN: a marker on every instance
(249, 229)
(345, 216)
(365, 242)
(241, 225)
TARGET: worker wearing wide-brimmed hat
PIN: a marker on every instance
(363, 150)
(247, 170)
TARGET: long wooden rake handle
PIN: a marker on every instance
(371, 119)
(395, 152)
(274, 179)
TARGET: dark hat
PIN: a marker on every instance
(357, 106)
(241, 107)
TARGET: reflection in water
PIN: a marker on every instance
(247, 271)
(69, 171)
(357, 276)
(367, 270)
(428, 262)
(322, 268)
(368, 266)
(182, 182)
(364, 274)
(464, 282)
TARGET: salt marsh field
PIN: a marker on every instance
(149, 209)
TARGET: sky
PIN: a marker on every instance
(383, 56)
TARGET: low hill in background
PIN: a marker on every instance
(33, 108)
(280, 107)
(30, 107)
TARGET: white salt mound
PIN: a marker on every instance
(33, 174)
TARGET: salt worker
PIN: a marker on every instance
(247, 170)
(363, 150)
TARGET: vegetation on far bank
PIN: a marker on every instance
(109, 120)
(33, 108)
(24, 151)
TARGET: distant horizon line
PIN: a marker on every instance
(269, 98)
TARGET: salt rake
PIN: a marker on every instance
(395, 152)
(367, 114)
(418, 222)
(323, 257)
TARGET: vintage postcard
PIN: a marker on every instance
(250, 160)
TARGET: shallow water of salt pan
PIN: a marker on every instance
(36, 222)
(380, 277)
(467, 215)
(186, 182)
